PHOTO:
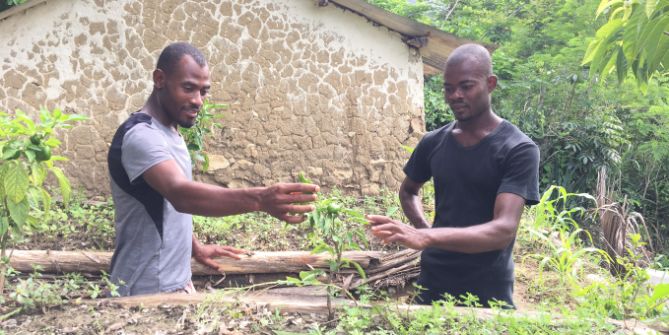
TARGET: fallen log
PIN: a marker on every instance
(382, 269)
(47, 261)
(294, 302)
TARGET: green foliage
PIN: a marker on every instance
(566, 252)
(627, 297)
(566, 248)
(333, 229)
(34, 293)
(24, 165)
(437, 112)
(635, 38)
(442, 318)
(579, 124)
(195, 136)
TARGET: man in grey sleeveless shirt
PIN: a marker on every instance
(154, 193)
(485, 171)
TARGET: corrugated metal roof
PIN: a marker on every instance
(434, 45)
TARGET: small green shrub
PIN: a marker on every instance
(25, 162)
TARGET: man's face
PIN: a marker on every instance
(467, 90)
(183, 90)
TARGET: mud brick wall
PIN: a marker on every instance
(314, 89)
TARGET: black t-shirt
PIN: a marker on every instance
(467, 181)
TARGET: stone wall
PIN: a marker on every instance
(314, 89)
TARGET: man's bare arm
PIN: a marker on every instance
(412, 203)
(280, 200)
(496, 234)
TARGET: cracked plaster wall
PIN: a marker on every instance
(314, 89)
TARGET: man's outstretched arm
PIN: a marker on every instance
(281, 200)
(496, 234)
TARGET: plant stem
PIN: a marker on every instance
(3, 265)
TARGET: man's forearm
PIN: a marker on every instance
(211, 200)
(413, 209)
(489, 236)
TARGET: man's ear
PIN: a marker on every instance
(492, 82)
(159, 78)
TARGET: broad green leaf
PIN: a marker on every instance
(9, 152)
(660, 292)
(16, 182)
(632, 34)
(293, 281)
(650, 7)
(621, 66)
(52, 142)
(604, 4)
(3, 169)
(609, 67)
(64, 184)
(18, 212)
(39, 173)
(45, 198)
(652, 34)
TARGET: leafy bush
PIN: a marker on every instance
(24, 166)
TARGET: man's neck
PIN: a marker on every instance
(153, 107)
(484, 123)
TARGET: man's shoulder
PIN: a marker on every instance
(136, 119)
(436, 135)
(513, 136)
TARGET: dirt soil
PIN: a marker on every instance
(91, 318)
(93, 230)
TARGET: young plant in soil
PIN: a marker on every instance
(332, 229)
(25, 162)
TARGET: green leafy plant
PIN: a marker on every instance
(333, 230)
(635, 38)
(627, 296)
(35, 293)
(563, 242)
(195, 136)
(25, 163)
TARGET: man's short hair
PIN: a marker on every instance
(173, 53)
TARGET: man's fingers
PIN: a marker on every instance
(235, 250)
(299, 197)
(298, 187)
(231, 254)
(388, 226)
(381, 233)
(377, 219)
(292, 218)
(298, 208)
(211, 263)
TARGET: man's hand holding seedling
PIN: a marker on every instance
(288, 201)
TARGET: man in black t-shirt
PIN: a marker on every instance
(485, 171)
